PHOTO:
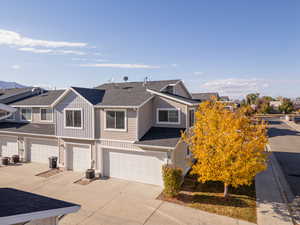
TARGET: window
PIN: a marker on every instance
(46, 114)
(168, 116)
(170, 89)
(192, 117)
(73, 118)
(26, 114)
(115, 120)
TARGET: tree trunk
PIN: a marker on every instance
(225, 190)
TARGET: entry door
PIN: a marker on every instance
(8, 146)
(145, 167)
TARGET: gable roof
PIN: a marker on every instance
(204, 96)
(94, 96)
(18, 206)
(44, 99)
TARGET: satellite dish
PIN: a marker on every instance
(125, 78)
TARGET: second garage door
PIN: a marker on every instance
(39, 150)
(8, 146)
(143, 167)
(78, 157)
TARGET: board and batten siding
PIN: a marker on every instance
(129, 135)
(71, 101)
(180, 90)
(146, 118)
(161, 102)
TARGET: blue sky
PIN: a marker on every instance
(233, 47)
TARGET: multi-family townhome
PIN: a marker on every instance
(125, 130)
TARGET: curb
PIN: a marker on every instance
(285, 190)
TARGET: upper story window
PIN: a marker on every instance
(168, 116)
(170, 89)
(115, 119)
(46, 114)
(191, 117)
(73, 118)
(26, 114)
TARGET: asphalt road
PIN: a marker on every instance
(285, 143)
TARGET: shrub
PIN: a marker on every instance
(172, 178)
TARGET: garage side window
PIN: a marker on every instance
(115, 120)
(168, 116)
(46, 114)
(26, 114)
(73, 118)
(192, 117)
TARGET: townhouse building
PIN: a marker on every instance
(125, 130)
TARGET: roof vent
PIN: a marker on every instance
(125, 78)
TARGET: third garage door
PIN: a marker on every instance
(143, 167)
(39, 150)
(78, 157)
(8, 146)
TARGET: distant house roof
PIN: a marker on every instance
(204, 96)
(28, 128)
(161, 136)
(18, 206)
(44, 99)
(8, 93)
(224, 98)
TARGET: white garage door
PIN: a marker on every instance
(143, 167)
(78, 157)
(8, 146)
(39, 150)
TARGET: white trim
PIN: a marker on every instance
(65, 93)
(51, 114)
(168, 109)
(171, 84)
(11, 114)
(169, 97)
(131, 149)
(20, 113)
(76, 138)
(155, 146)
(32, 106)
(115, 107)
(20, 133)
(116, 129)
(81, 115)
(126, 141)
(141, 105)
(19, 218)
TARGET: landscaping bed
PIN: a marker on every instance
(241, 203)
(49, 173)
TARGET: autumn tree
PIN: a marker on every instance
(227, 146)
(252, 98)
(286, 106)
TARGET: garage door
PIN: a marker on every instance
(8, 146)
(143, 167)
(39, 150)
(78, 157)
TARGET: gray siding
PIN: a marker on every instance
(146, 118)
(179, 157)
(160, 102)
(180, 90)
(130, 134)
(72, 100)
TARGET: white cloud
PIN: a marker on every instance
(174, 65)
(52, 51)
(15, 39)
(127, 66)
(198, 73)
(15, 67)
(236, 87)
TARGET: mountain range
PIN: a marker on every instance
(7, 85)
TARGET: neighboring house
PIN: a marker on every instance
(224, 98)
(205, 96)
(8, 96)
(275, 104)
(124, 130)
(296, 104)
(20, 207)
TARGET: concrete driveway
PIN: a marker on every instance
(107, 202)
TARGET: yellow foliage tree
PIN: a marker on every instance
(227, 145)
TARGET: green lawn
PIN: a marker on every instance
(240, 204)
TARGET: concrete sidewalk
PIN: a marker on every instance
(272, 208)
